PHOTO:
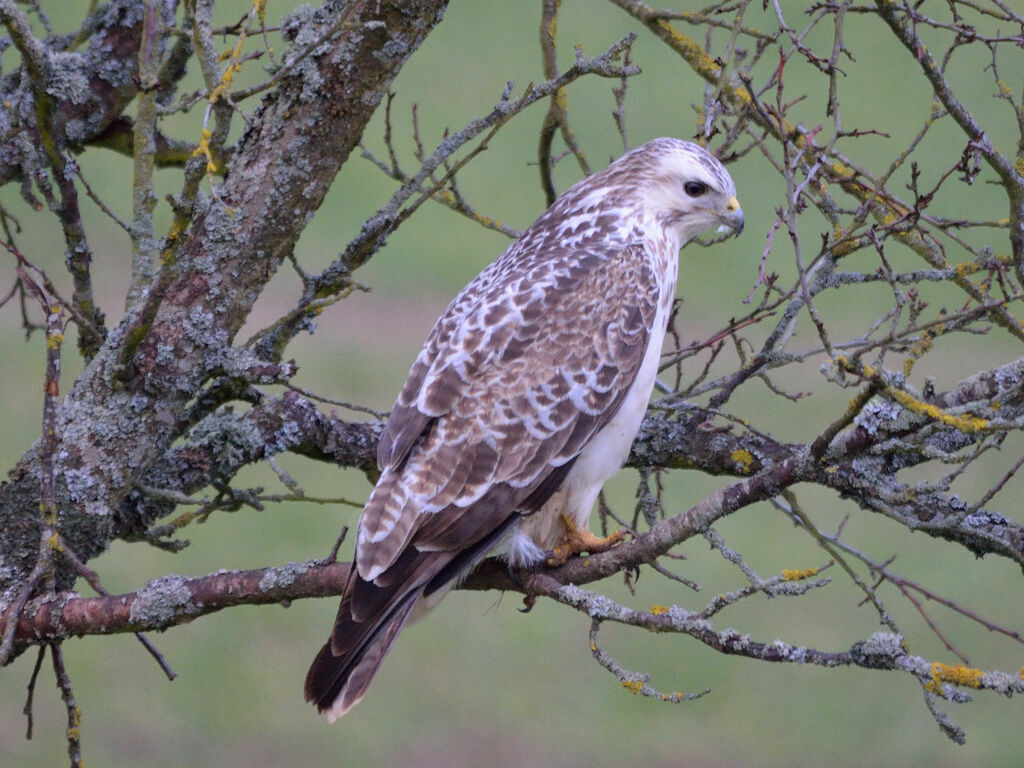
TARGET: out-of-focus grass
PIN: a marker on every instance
(478, 683)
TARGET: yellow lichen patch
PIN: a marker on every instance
(790, 574)
(234, 56)
(183, 519)
(842, 170)
(911, 403)
(919, 349)
(843, 247)
(633, 686)
(966, 268)
(204, 150)
(690, 50)
(659, 610)
(958, 675)
(740, 93)
(744, 458)
(54, 340)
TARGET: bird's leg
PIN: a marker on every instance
(579, 540)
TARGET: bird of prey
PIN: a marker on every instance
(524, 400)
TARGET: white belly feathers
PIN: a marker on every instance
(603, 456)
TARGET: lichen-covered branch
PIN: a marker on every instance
(88, 86)
(172, 600)
(899, 411)
(156, 360)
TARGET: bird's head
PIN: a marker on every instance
(686, 189)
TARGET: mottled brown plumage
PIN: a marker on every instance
(525, 398)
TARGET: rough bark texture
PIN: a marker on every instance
(87, 88)
(179, 338)
(172, 404)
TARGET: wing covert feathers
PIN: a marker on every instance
(522, 370)
(509, 385)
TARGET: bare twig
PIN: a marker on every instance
(74, 714)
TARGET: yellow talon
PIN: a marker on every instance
(578, 540)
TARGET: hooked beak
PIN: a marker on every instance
(732, 219)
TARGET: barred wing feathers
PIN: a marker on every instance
(525, 366)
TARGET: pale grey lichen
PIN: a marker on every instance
(160, 601)
(795, 588)
(81, 483)
(139, 402)
(282, 576)
(680, 616)
(735, 639)
(1008, 377)
(1003, 682)
(688, 621)
(301, 25)
(883, 644)
(878, 414)
(984, 518)
(165, 353)
(68, 81)
(122, 13)
(798, 655)
(955, 502)
(395, 48)
(312, 80)
(287, 436)
(201, 319)
(596, 606)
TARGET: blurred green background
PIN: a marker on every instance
(478, 683)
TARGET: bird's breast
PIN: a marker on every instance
(602, 457)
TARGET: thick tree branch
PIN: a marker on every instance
(88, 88)
(146, 373)
(173, 600)
(158, 428)
(683, 438)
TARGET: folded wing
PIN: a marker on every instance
(526, 365)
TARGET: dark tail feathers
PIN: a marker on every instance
(336, 682)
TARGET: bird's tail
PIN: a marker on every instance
(343, 670)
(372, 613)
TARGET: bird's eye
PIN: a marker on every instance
(695, 188)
